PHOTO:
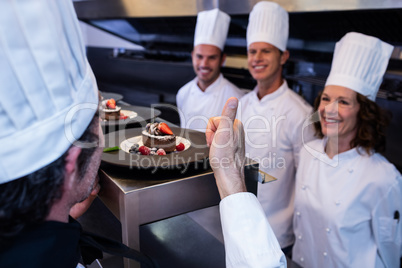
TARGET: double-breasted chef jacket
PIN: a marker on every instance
(346, 210)
(273, 133)
(196, 106)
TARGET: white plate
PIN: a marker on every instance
(126, 144)
(130, 114)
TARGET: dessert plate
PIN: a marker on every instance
(136, 114)
(196, 150)
(126, 144)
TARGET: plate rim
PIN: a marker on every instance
(178, 159)
(139, 110)
(140, 138)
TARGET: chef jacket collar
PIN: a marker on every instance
(213, 87)
(272, 96)
(344, 156)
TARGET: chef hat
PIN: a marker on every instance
(48, 94)
(212, 28)
(359, 63)
(268, 22)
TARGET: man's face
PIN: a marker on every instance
(87, 182)
(207, 62)
(265, 61)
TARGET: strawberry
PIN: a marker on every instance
(144, 150)
(122, 116)
(111, 104)
(180, 147)
(165, 129)
(161, 152)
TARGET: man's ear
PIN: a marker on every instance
(284, 57)
(223, 59)
(71, 161)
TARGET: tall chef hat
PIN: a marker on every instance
(268, 22)
(212, 28)
(359, 63)
(48, 94)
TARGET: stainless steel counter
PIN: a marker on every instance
(138, 197)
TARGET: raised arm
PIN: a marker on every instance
(249, 239)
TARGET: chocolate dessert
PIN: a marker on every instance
(159, 135)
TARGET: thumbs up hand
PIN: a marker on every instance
(225, 137)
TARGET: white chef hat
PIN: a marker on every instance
(212, 28)
(359, 63)
(48, 94)
(268, 22)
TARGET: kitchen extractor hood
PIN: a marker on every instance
(314, 25)
(92, 9)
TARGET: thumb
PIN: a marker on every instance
(229, 113)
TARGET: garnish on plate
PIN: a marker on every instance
(111, 149)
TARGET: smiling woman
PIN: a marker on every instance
(347, 194)
(338, 114)
(369, 120)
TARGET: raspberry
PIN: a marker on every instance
(161, 152)
(144, 150)
(180, 147)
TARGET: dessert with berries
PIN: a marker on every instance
(159, 135)
(109, 110)
(144, 150)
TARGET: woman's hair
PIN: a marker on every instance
(372, 121)
(27, 200)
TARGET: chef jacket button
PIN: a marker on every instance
(350, 170)
(337, 202)
(299, 237)
(325, 253)
(298, 213)
(301, 259)
(304, 187)
(328, 230)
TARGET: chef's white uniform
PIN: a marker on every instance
(274, 127)
(196, 107)
(345, 209)
(249, 239)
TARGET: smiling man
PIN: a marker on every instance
(273, 116)
(205, 95)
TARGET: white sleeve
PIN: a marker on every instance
(249, 239)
